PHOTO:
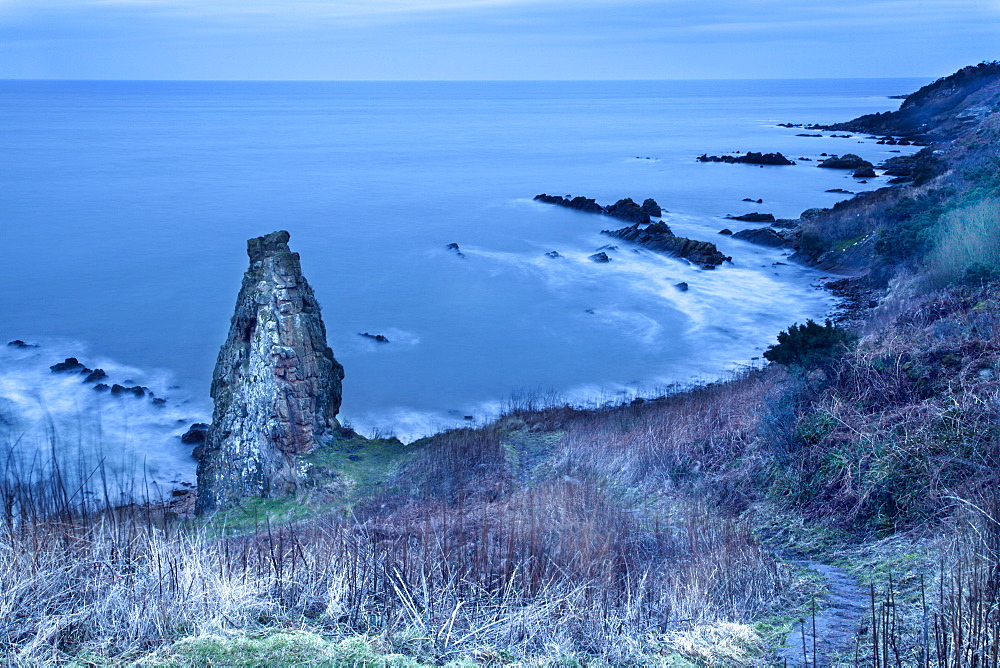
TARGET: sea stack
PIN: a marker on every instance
(276, 387)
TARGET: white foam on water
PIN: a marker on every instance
(126, 444)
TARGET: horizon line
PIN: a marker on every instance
(166, 80)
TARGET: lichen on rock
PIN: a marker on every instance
(276, 386)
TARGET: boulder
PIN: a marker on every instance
(682, 286)
(600, 257)
(276, 386)
(846, 161)
(763, 236)
(809, 214)
(71, 364)
(627, 210)
(196, 434)
(866, 171)
(135, 390)
(95, 375)
(651, 208)
(726, 231)
(754, 217)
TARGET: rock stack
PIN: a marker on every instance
(276, 387)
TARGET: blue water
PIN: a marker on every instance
(126, 205)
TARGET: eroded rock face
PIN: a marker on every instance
(277, 386)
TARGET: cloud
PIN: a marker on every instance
(492, 38)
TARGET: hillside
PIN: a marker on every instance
(708, 527)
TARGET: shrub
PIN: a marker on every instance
(809, 345)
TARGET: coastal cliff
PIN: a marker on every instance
(276, 386)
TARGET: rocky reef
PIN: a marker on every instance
(276, 387)
(624, 209)
(749, 158)
(659, 237)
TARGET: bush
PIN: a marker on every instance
(809, 345)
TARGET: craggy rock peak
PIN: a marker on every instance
(277, 386)
(624, 209)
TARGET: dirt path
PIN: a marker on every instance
(839, 616)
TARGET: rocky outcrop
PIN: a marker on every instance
(754, 217)
(277, 386)
(938, 111)
(599, 257)
(651, 208)
(584, 204)
(762, 236)
(659, 237)
(749, 158)
(71, 364)
(624, 209)
(846, 161)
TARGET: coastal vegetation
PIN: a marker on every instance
(674, 531)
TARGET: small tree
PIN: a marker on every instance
(810, 345)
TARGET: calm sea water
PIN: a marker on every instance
(126, 207)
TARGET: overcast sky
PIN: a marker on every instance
(493, 39)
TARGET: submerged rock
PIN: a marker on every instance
(18, 343)
(381, 338)
(277, 386)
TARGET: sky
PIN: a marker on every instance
(493, 39)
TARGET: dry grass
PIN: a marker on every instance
(968, 238)
(560, 568)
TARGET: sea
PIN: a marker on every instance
(125, 208)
